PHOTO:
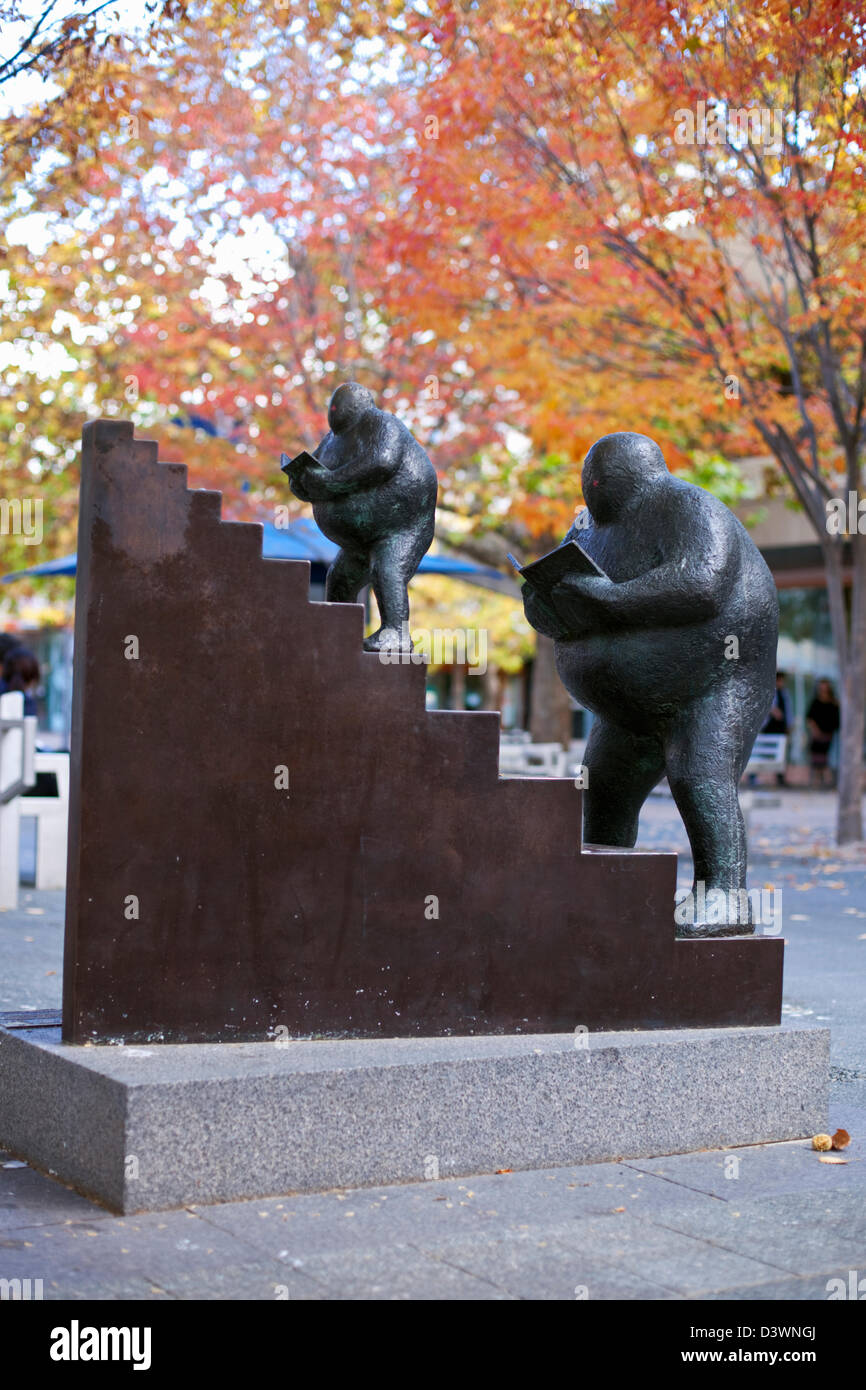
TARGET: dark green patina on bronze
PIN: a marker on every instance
(373, 491)
(674, 651)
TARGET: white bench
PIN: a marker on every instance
(769, 754)
(17, 771)
(512, 760)
(545, 759)
(574, 757)
(534, 760)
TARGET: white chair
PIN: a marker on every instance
(51, 813)
(17, 771)
(548, 759)
(768, 754)
(512, 760)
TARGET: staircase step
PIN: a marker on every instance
(394, 887)
(205, 505)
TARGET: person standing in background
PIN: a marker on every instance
(8, 643)
(781, 717)
(21, 672)
(822, 719)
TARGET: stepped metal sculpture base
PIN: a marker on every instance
(270, 836)
(145, 1128)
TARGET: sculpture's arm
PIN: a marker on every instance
(689, 589)
(369, 466)
(300, 483)
(299, 490)
(540, 616)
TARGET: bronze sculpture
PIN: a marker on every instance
(373, 491)
(673, 648)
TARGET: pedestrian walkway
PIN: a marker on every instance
(755, 1223)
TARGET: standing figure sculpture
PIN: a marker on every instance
(373, 491)
(673, 648)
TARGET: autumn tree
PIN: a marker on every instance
(522, 225)
(657, 211)
(198, 245)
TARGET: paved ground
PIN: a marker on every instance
(760, 1223)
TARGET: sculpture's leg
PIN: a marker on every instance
(393, 561)
(623, 769)
(346, 577)
(705, 760)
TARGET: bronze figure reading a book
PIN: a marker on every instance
(665, 620)
(373, 491)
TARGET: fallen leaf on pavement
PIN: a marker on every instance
(831, 1158)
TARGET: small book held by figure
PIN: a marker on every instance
(546, 573)
(301, 461)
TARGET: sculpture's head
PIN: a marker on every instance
(348, 403)
(617, 471)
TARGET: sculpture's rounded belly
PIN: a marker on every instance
(359, 519)
(637, 679)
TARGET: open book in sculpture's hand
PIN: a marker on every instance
(373, 492)
(292, 467)
(295, 468)
(551, 569)
(304, 473)
(542, 578)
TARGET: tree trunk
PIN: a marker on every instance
(849, 826)
(490, 688)
(550, 713)
(458, 687)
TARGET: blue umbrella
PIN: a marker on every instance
(302, 540)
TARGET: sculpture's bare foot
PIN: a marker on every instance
(389, 639)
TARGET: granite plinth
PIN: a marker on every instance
(148, 1128)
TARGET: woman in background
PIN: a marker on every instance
(21, 672)
(822, 719)
(8, 643)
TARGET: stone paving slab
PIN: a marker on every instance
(396, 1273)
(595, 1250)
(26, 1199)
(536, 1265)
(762, 1171)
(810, 1288)
(799, 1233)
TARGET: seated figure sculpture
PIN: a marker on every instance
(673, 648)
(373, 491)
